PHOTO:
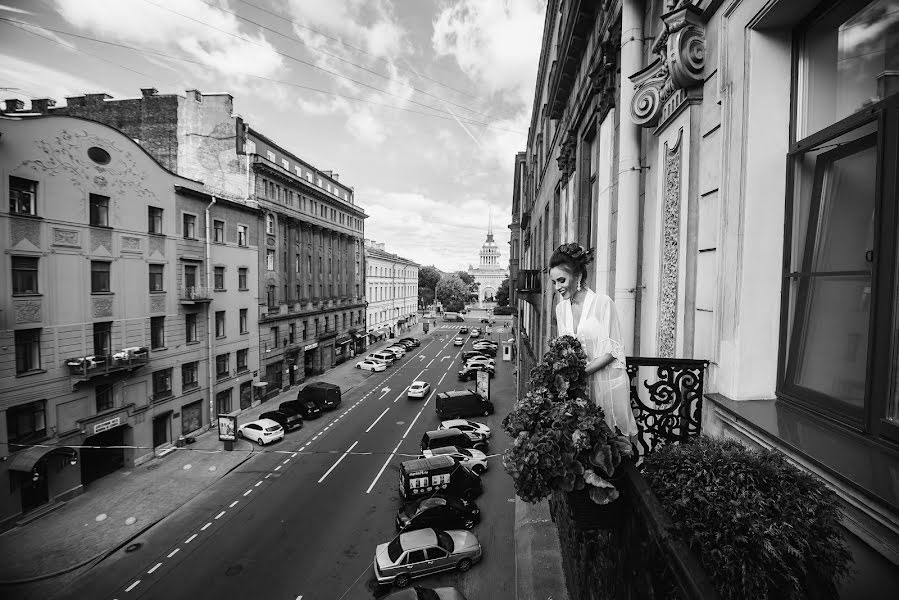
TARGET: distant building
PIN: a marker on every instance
(489, 273)
(392, 293)
(129, 309)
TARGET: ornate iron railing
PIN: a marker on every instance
(666, 397)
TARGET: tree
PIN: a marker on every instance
(428, 278)
(502, 294)
(465, 277)
(452, 293)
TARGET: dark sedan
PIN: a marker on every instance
(414, 341)
(286, 418)
(471, 371)
(439, 511)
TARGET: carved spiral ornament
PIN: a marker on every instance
(646, 105)
(686, 57)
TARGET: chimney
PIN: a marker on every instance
(335, 176)
(14, 104)
(150, 91)
(42, 105)
(96, 98)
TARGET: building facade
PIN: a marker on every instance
(490, 272)
(128, 309)
(733, 164)
(310, 281)
(392, 292)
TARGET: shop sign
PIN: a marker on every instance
(484, 385)
(227, 427)
(310, 346)
(108, 424)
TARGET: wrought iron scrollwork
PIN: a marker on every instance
(671, 409)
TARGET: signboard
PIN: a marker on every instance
(489, 329)
(312, 346)
(484, 385)
(108, 424)
(227, 428)
(425, 326)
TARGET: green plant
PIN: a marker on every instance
(761, 527)
(560, 439)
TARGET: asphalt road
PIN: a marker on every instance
(302, 520)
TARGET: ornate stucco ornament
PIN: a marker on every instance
(676, 75)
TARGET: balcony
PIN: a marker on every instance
(529, 286)
(195, 295)
(126, 360)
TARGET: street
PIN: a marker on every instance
(302, 518)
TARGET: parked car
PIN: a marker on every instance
(425, 551)
(371, 365)
(397, 351)
(441, 511)
(459, 341)
(441, 438)
(413, 340)
(485, 320)
(419, 389)
(463, 330)
(286, 418)
(470, 372)
(417, 592)
(465, 425)
(485, 360)
(461, 403)
(326, 395)
(387, 357)
(405, 345)
(262, 431)
(485, 343)
(472, 459)
(475, 332)
(464, 356)
(307, 409)
(422, 477)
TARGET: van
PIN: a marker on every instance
(461, 403)
(387, 357)
(440, 438)
(438, 474)
(325, 395)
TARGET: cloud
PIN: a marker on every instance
(42, 81)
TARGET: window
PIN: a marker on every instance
(162, 384)
(218, 231)
(270, 260)
(157, 332)
(99, 276)
(241, 235)
(156, 278)
(22, 194)
(242, 360)
(222, 365)
(327, 320)
(26, 423)
(273, 332)
(298, 170)
(99, 210)
(840, 278)
(154, 219)
(270, 296)
(190, 377)
(28, 350)
(292, 333)
(270, 155)
(242, 278)
(219, 278)
(104, 397)
(190, 327)
(190, 280)
(190, 227)
(243, 321)
(219, 323)
(270, 224)
(102, 334)
(223, 402)
(24, 275)
(285, 163)
(305, 329)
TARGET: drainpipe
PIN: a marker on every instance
(628, 175)
(210, 350)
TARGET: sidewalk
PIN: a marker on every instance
(120, 506)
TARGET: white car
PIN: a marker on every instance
(262, 432)
(419, 389)
(371, 365)
(471, 458)
(458, 342)
(480, 360)
(466, 426)
(475, 332)
(398, 350)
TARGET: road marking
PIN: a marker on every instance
(334, 466)
(441, 379)
(219, 516)
(378, 419)
(257, 484)
(132, 586)
(156, 566)
(429, 364)
(420, 374)
(173, 552)
(386, 389)
(386, 462)
(384, 393)
(205, 527)
(277, 467)
(413, 421)
(190, 539)
(447, 356)
(233, 504)
(247, 493)
(286, 460)
(269, 474)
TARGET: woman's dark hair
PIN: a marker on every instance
(574, 258)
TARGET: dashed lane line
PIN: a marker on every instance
(190, 539)
(173, 552)
(384, 466)
(334, 466)
(132, 586)
(156, 566)
(233, 504)
(378, 419)
(220, 515)
(206, 526)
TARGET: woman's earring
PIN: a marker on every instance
(578, 285)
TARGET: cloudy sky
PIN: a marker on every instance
(420, 105)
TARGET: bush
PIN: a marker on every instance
(502, 310)
(761, 527)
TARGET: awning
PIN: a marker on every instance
(359, 336)
(344, 339)
(382, 331)
(260, 383)
(24, 460)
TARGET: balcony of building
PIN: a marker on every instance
(528, 285)
(195, 295)
(124, 361)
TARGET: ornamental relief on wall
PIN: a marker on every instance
(102, 307)
(66, 237)
(28, 312)
(670, 251)
(25, 230)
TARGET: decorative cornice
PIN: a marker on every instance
(672, 79)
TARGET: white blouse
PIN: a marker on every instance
(599, 333)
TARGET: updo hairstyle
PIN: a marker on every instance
(574, 258)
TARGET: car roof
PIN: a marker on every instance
(322, 385)
(434, 462)
(442, 433)
(264, 422)
(452, 422)
(420, 538)
(456, 393)
(419, 383)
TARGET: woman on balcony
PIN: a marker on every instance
(593, 320)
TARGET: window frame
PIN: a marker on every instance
(98, 210)
(243, 235)
(242, 365)
(157, 333)
(18, 274)
(223, 365)
(220, 324)
(189, 226)
(218, 231)
(36, 412)
(107, 272)
(154, 220)
(243, 319)
(242, 278)
(28, 350)
(162, 377)
(190, 368)
(26, 186)
(218, 278)
(191, 334)
(156, 276)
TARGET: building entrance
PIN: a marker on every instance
(162, 430)
(308, 362)
(35, 488)
(101, 461)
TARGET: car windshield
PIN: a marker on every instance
(273, 428)
(394, 550)
(444, 540)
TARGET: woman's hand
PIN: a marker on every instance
(599, 363)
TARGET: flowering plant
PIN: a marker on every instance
(560, 437)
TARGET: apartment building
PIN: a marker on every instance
(392, 292)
